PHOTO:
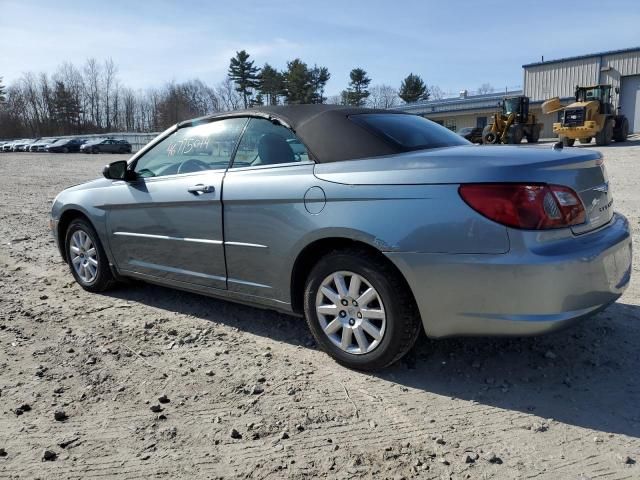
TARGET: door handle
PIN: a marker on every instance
(200, 188)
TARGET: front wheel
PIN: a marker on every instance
(489, 137)
(568, 142)
(86, 257)
(604, 136)
(360, 310)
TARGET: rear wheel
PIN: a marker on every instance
(604, 136)
(586, 140)
(568, 142)
(621, 134)
(360, 310)
(86, 257)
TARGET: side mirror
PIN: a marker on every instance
(116, 171)
(617, 90)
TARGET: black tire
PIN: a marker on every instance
(568, 142)
(604, 136)
(95, 150)
(103, 277)
(514, 137)
(586, 140)
(65, 150)
(402, 318)
(534, 134)
(489, 137)
(621, 133)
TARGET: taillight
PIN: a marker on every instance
(531, 207)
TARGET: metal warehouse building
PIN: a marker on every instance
(544, 80)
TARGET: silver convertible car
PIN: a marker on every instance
(371, 224)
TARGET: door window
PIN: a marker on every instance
(207, 146)
(267, 143)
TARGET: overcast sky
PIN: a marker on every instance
(453, 44)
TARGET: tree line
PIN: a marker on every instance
(90, 98)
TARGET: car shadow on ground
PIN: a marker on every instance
(587, 375)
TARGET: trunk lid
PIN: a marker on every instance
(580, 169)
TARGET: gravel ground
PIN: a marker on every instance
(146, 382)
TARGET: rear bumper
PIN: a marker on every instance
(519, 293)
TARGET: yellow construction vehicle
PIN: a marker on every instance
(591, 115)
(512, 123)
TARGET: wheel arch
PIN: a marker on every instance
(66, 218)
(315, 250)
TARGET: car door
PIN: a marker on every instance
(267, 193)
(167, 223)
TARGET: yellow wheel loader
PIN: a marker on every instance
(591, 115)
(512, 123)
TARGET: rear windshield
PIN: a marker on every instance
(409, 132)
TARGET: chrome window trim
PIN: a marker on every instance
(264, 167)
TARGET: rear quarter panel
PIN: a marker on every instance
(267, 207)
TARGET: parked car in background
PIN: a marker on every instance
(66, 145)
(386, 224)
(108, 145)
(473, 134)
(23, 145)
(41, 144)
(8, 146)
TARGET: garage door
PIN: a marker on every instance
(630, 101)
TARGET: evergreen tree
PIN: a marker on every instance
(257, 101)
(358, 92)
(413, 89)
(244, 75)
(66, 109)
(271, 84)
(319, 78)
(298, 82)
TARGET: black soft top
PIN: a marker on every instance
(324, 129)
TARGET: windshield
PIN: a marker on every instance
(589, 94)
(409, 132)
(511, 105)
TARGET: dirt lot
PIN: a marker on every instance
(249, 396)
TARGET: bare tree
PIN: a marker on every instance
(92, 74)
(436, 92)
(485, 88)
(108, 81)
(383, 96)
(229, 98)
(334, 100)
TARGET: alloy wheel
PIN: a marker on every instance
(351, 312)
(84, 256)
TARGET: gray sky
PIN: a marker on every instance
(455, 44)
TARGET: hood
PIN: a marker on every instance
(97, 183)
(588, 104)
(462, 164)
